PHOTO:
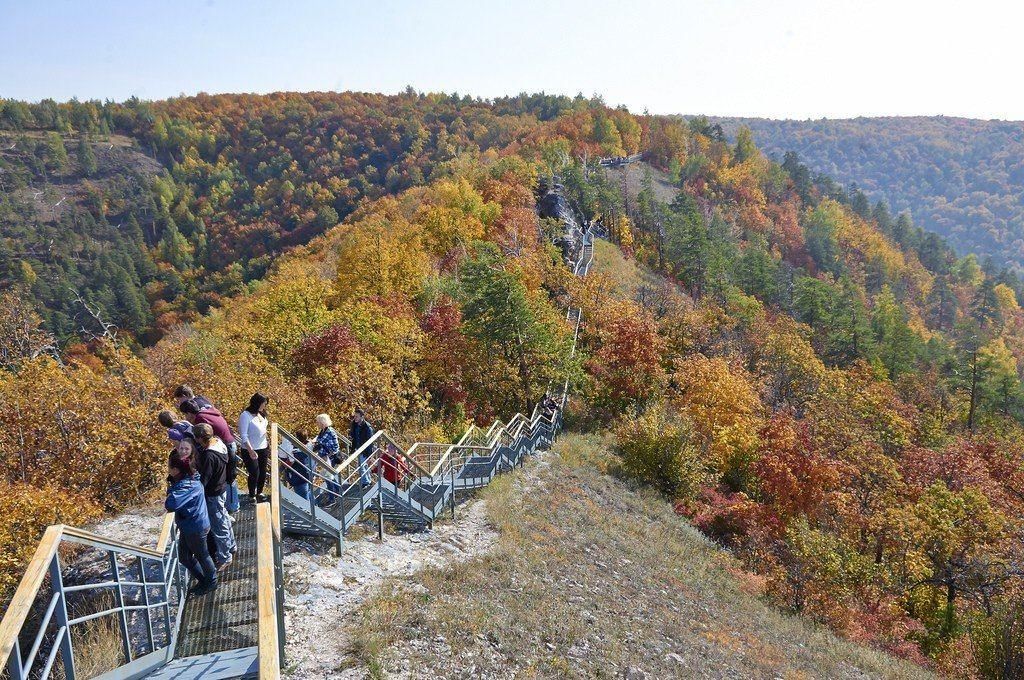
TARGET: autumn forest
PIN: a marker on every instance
(815, 382)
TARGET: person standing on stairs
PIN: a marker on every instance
(391, 465)
(212, 464)
(360, 433)
(328, 446)
(205, 412)
(184, 393)
(186, 499)
(296, 467)
(252, 431)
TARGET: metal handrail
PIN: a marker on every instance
(47, 563)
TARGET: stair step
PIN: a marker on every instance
(236, 663)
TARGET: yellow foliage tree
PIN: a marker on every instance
(722, 402)
(454, 215)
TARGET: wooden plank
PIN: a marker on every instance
(269, 651)
(165, 533)
(25, 596)
(77, 535)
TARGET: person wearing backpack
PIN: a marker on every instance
(212, 465)
(296, 467)
(199, 410)
(360, 433)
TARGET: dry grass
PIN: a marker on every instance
(626, 276)
(593, 578)
(97, 646)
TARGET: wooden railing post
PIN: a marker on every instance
(275, 522)
(270, 640)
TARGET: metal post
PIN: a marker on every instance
(380, 516)
(14, 662)
(451, 469)
(126, 645)
(167, 590)
(145, 601)
(67, 653)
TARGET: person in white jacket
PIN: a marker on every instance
(252, 433)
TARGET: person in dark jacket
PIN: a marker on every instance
(296, 466)
(360, 433)
(212, 462)
(185, 498)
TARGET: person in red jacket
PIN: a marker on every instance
(391, 465)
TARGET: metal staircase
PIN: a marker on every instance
(238, 630)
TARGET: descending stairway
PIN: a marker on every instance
(238, 630)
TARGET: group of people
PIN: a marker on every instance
(201, 478)
(202, 471)
(327, 445)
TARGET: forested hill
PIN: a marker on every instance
(816, 383)
(961, 178)
(245, 178)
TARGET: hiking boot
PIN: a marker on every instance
(200, 590)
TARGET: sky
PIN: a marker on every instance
(773, 58)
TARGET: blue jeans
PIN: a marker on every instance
(233, 500)
(303, 489)
(221, 533)
(364, 470)
(332, 494)
(195, 556)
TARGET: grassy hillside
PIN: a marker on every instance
(592, 577)
(961, 178)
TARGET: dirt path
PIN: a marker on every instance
(325, 593)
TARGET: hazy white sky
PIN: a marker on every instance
(778, 58)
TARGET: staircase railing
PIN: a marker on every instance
(432, 463)
(157, 589)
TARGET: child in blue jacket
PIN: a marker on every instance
(187, 500)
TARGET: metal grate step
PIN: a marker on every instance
(226, 619)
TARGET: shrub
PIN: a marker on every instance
(657, 448)
(27, 511)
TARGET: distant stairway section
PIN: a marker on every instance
(414, 486)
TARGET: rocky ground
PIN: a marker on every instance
(326, 594)
(559, 569)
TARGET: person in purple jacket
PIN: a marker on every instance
(184, 393)
(176, 429)
(187, 500)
